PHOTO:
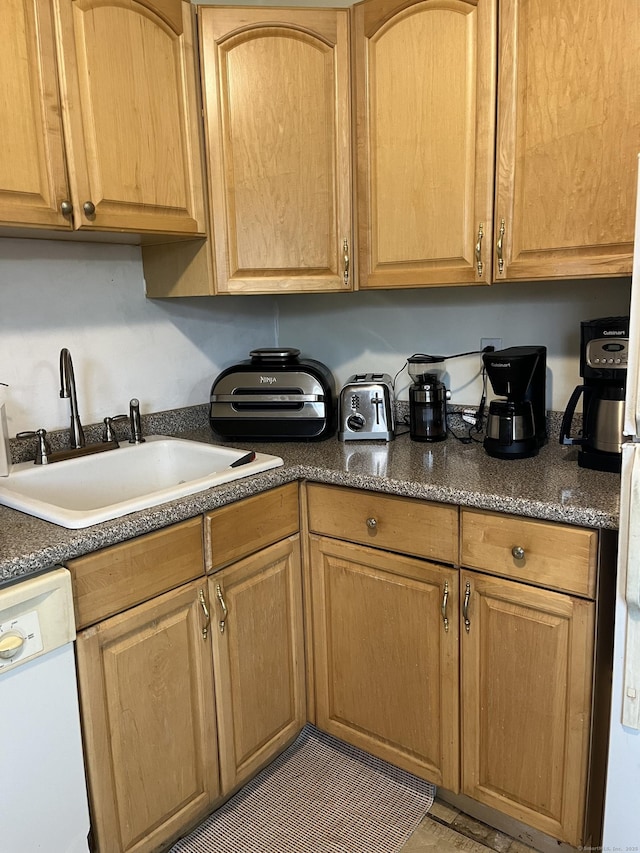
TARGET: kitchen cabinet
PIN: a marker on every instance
(101, 130)
(278, 147)
(146, 688)
(425, 90)
(568, 100)
(518, 662)
(527, 669)
(33, 180)
(568, 139)
(386, 660)
(527, 665)
(385, 629)
(255, 591)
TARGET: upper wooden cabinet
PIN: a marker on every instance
(277, 120)
(122, 75)
(568, 138)
(33, 180)
(425, 126)
(568, 101)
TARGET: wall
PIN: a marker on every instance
(363, 332)
(90, 298)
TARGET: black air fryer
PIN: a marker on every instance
(274, 396)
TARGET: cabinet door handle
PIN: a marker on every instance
(89, 208)
(205, 610)
(66, 208)
(465, 607)
(517, 552)
(445, 599)
(499, 247)
(479, 264)
(223, 621)
(345, 252)
(372, 523)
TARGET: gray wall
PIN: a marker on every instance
(363, 332)
(90, 298)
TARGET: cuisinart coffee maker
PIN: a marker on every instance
(517, 424)
(604, 346)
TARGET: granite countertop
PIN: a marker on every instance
(549, 486)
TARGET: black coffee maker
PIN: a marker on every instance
(517, 425)
(604, 346)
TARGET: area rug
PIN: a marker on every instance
(319, 796)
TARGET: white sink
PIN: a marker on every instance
(89, 489)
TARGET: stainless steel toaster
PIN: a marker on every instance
(366, 408)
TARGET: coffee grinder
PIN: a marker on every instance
(604, 346)
(516, 424)
(427, 398)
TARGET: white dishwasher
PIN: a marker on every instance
(43, 806)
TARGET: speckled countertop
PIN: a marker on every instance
(549, 486)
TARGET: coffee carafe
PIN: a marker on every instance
(427, 398)
(604, 345)
(517, 423)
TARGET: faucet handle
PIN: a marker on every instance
(43, 449)
(108, 433)
(136, 424)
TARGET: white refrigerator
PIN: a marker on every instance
(622, 799)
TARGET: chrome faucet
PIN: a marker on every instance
(68, 390)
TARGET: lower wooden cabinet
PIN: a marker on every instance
(385, 632)
(258, 651)
(526, 689)
(498, 704)
(481, 679)
(148, 715)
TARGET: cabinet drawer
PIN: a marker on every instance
(419, 528)
(116, 578)
(241, 528)
(554, 555)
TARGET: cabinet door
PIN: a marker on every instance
(148, 717)
(277, 116)
(386, 661)
(425, 105)
(526, 699)
(127, 72)
(568, 138)
(258, 649)
(33, 180)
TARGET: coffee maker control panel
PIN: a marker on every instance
(605, 352)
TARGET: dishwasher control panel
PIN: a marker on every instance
(20, 639)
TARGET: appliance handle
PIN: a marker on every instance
(267, 398)
(565, 429)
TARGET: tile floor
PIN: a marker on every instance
(447, 830)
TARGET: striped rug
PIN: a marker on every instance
(320, 796)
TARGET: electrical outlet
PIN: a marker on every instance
(496, 343)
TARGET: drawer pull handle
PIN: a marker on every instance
(517, 552)
(445, 598)
(222, 622)
(465, 607)
(372, 523)
(205, 610)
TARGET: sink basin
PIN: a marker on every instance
(89, 489)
